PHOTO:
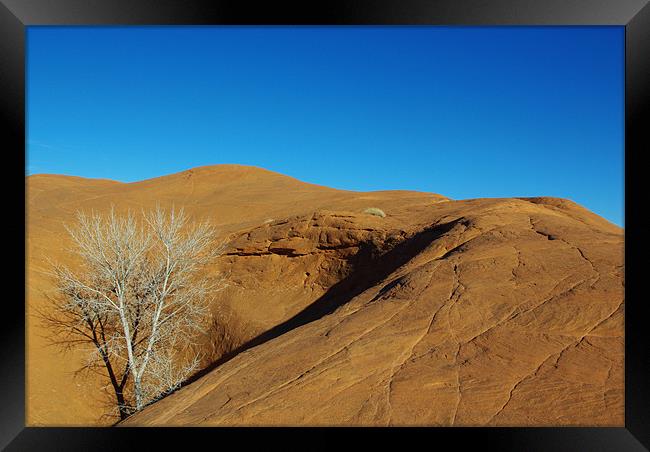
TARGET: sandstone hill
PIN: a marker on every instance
(474, 312)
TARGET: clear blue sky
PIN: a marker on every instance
(463, 111)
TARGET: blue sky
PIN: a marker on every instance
(463, 111)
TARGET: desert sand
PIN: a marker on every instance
(496, 312)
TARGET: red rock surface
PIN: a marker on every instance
(475, 312)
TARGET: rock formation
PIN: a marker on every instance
(503, 312)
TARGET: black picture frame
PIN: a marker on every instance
(634, 15)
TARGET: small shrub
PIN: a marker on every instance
(375, 211)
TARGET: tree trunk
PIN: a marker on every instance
(124, 412)
(137, 388)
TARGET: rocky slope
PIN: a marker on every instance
(237, 199)
(477, 312)
(490, 312)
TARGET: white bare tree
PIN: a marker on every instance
(139, 300)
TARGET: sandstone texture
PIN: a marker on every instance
(482, 312)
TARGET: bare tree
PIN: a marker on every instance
(139, 300)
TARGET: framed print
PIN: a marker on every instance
(406, 218)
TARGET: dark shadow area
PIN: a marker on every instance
(368, 269)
